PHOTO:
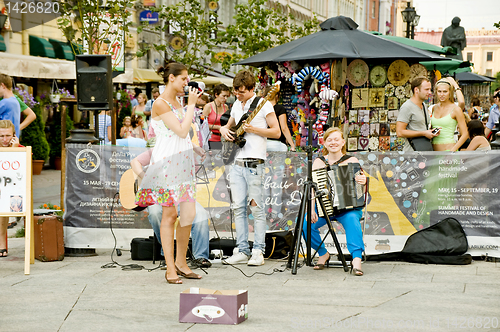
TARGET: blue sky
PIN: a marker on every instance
(474, 14)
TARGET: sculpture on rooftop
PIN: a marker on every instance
(454, 36)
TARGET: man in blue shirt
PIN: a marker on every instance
(9, 106)
(494, 115)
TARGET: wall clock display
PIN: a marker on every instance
(398, 72)
(357, 72)
(400, 92)
(418, 70)
(338, 74)
(408, 90)
(378, 76)
(392, 103)
(373, 143)
(377, 97)
(389, 90)
(359, 98)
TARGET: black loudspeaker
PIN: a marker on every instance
(94, 82)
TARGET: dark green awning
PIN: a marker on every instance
(3, 48)
(62, 50)
(41, 47)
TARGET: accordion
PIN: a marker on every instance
(343, 192)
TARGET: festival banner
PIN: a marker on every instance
(407, 192)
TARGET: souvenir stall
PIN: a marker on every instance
(344, 77)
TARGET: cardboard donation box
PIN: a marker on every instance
(201, 305)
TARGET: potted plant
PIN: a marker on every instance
(34, 135)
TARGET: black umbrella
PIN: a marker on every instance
(340, 38)
(472, 77)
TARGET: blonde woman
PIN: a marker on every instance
(333, 153)
(446, 116)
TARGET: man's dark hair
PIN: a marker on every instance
(244, 78)
(417, 82)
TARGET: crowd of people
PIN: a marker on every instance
(445, 125)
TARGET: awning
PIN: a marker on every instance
(213, 80)
(62, 50)
(3, 48)
(41, 47)
(473, 78)
(148, 75)
(138, 76)
(18, 65)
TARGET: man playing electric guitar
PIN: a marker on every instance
(246, 175)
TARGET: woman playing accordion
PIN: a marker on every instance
(333, 153)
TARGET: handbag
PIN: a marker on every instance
(421, 143)
(278, 244)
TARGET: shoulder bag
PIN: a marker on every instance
(421, 143)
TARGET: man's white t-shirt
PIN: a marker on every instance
(256, 145)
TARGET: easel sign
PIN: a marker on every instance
(16, 195)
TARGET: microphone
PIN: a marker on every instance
(199, 86)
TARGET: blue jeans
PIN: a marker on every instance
(246, 185)
(350, 220)
(199, 229)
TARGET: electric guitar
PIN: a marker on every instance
(129, 183)
(229, 148)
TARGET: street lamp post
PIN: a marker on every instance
(411, 19)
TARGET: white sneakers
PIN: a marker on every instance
(256, 259)
(241, 258)
(237, 258)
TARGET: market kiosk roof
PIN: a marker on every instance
(340, 38)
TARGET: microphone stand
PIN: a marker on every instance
(310, 187)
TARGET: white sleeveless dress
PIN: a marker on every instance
(170, 177)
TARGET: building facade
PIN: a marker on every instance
(482, 50)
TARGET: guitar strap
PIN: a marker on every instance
(254, 104)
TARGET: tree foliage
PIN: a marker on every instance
(87, 22)
(189, 29)
(258, 28)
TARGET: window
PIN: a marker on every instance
(488, 72)
(489, 56)
(374, 5)
(469, 56)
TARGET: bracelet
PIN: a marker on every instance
(458, 89)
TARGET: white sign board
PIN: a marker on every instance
(12, 181)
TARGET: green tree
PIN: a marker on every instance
(258, 28)
(34, 135)
(189, 35)
(87, 22)
(495, 85)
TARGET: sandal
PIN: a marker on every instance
(191, 275)
(355, 271)
(173, 281)
(322, 266)
(3, 253)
